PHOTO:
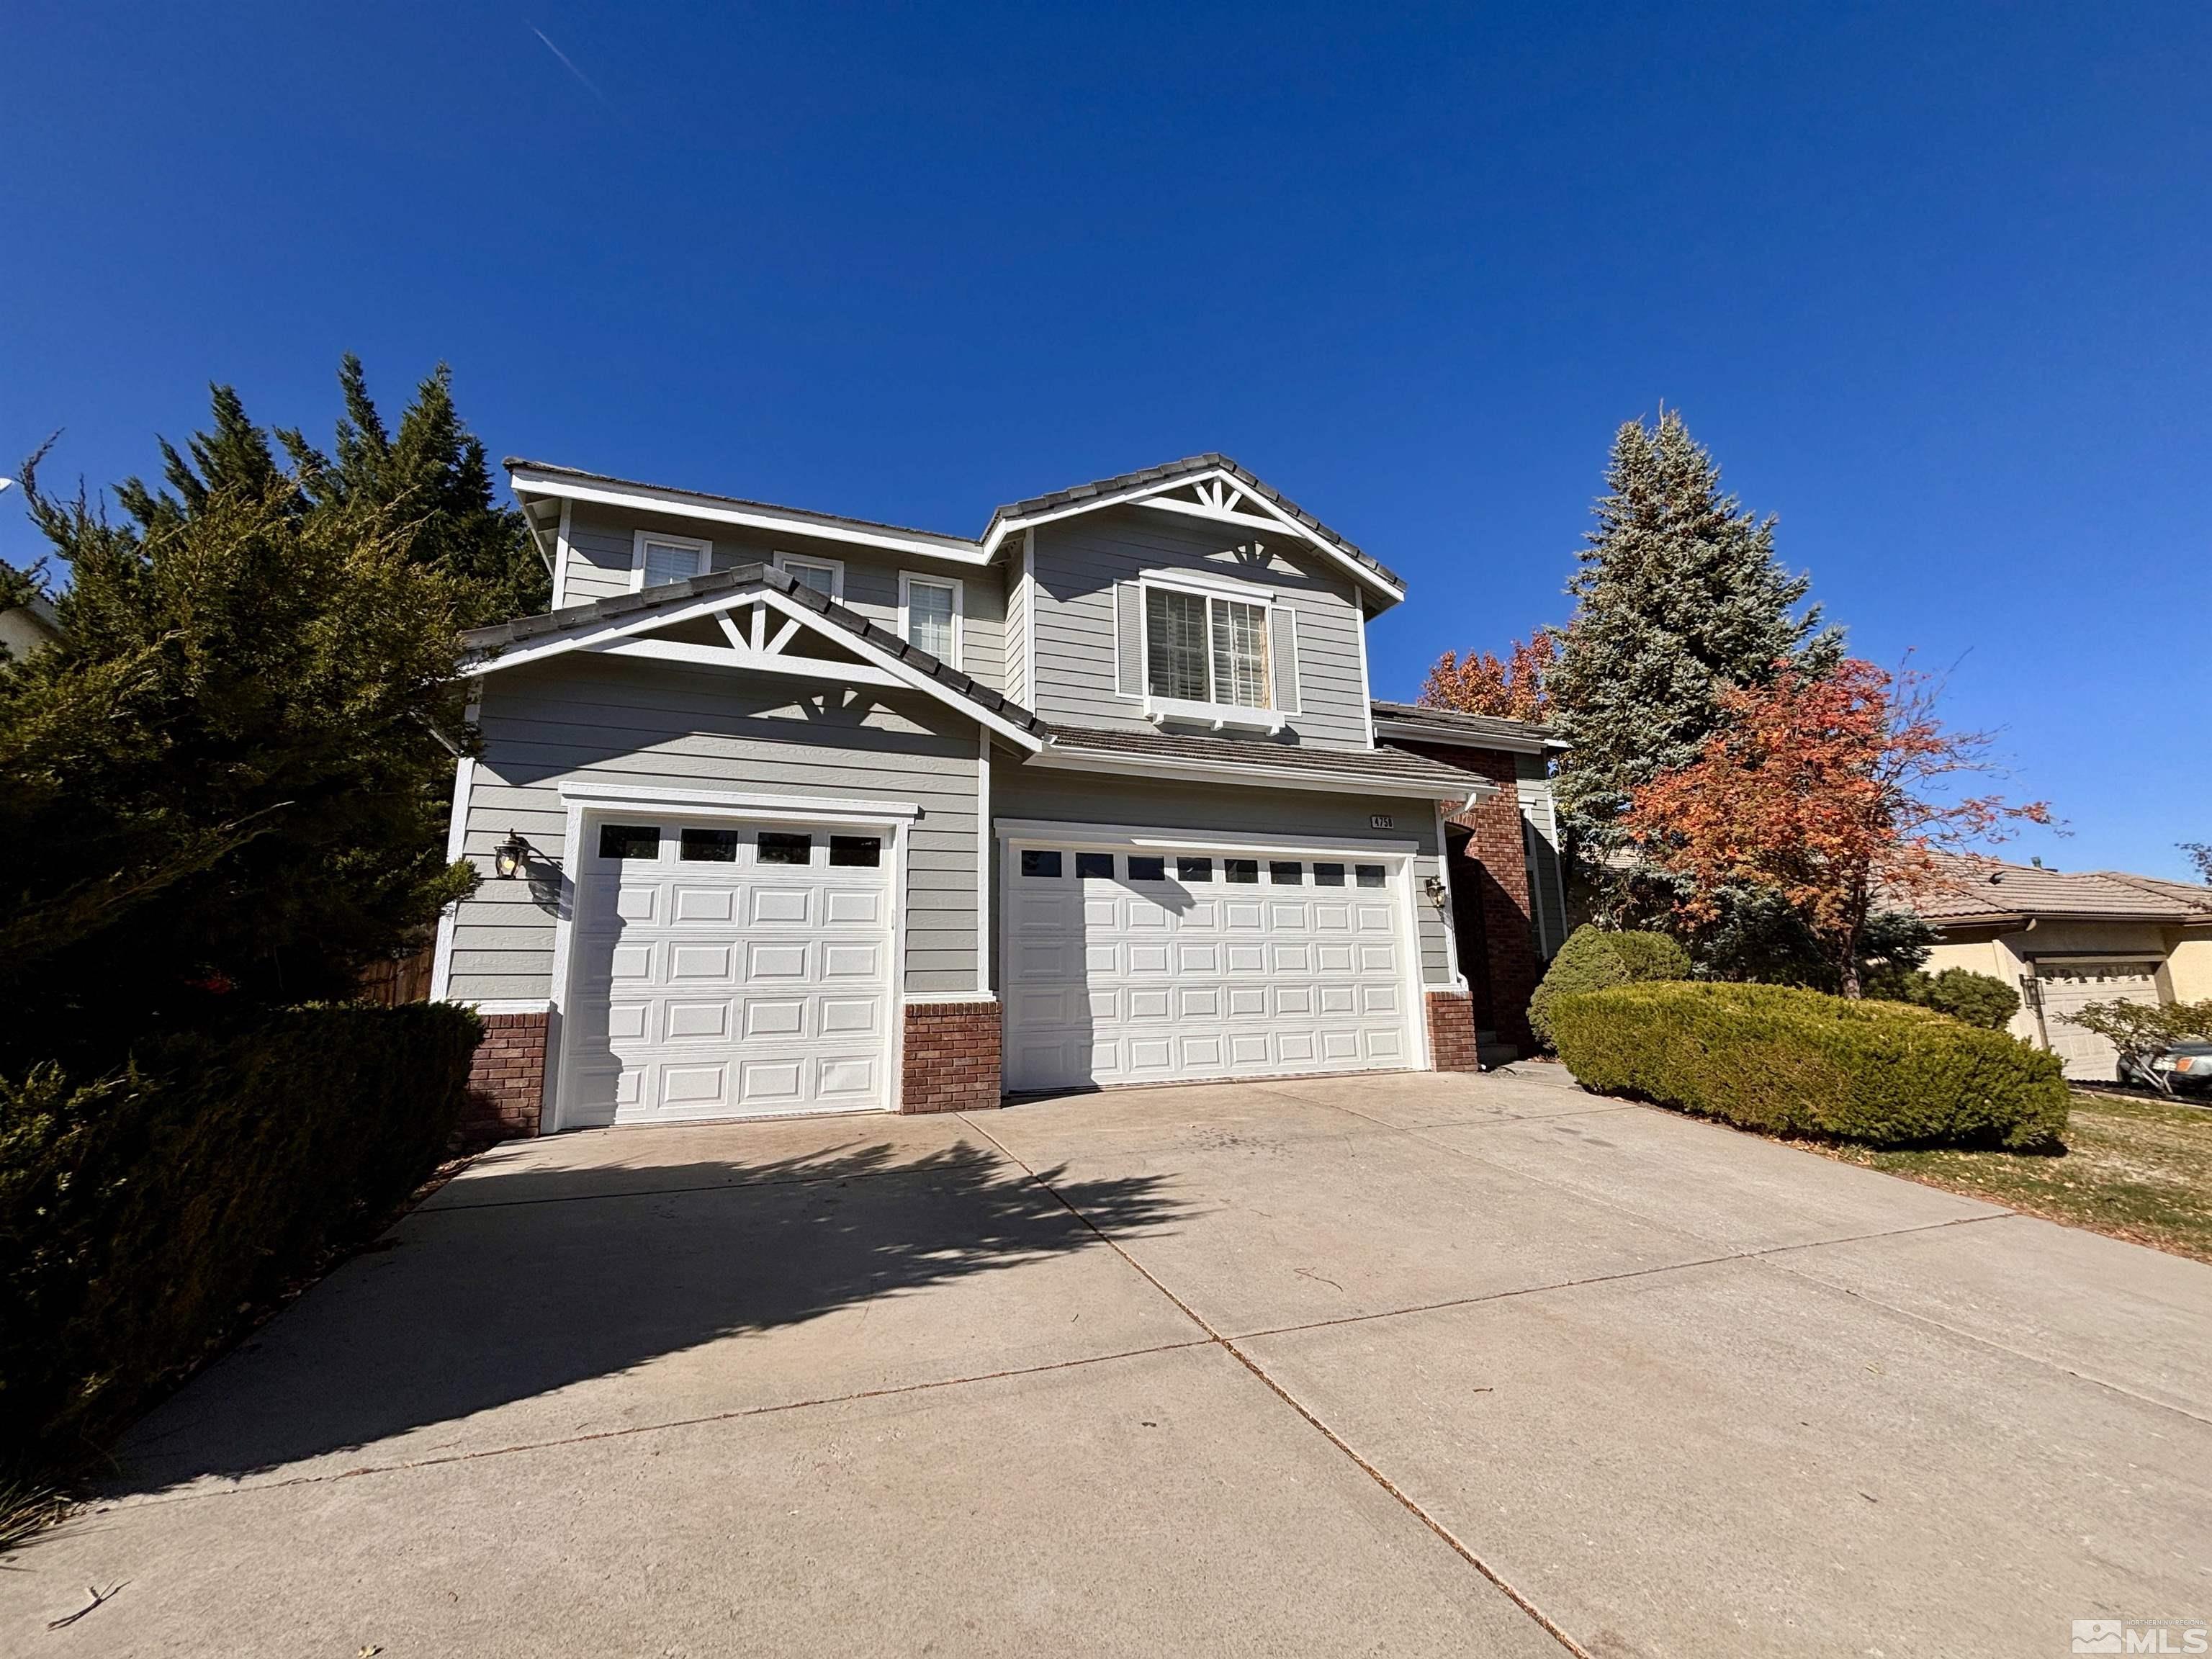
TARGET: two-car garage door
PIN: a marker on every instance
(1130, 965)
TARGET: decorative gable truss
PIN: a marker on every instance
(751, 624)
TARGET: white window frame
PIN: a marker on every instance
(705, 550)
(1219, 716)
(784, 562)
(908, 579)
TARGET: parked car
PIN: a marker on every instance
(2185, 1067)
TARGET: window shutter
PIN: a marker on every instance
(1283, 648)
(1128, 640)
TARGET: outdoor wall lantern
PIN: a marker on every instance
(1434, 887)
(507, 857)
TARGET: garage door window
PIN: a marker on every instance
(778, 847)
(856, 852)
(1148, 869)
(1040, 861)
(1328, 875)
(1244, 872)
(710, 847)
(1094, 866)
(1194, 869)
(1285, 872)
(1370, 875)
(629, 840)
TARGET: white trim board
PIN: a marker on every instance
(676, 503)
(1076, 833)
(1249, 776)
(735, 803)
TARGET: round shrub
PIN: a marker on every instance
(1592, 959)
(1788, 1061)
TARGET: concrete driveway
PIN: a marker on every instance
(1409, 1364)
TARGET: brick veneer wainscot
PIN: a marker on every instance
(952, 1062)
(507, 1079)
(1453, 1045)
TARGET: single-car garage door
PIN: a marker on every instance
(726, 971)
(1132, 966)
(2066, 987)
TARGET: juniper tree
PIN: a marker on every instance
(1680, 599)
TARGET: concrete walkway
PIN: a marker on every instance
(1408, 1364)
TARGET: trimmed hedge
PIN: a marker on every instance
(1977, 999)
(1593, 958)
(140, 1213)
(1796, 1062)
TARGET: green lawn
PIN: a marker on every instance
(2138, 1169)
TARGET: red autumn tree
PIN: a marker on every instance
(1833, 792)
(1479, 683)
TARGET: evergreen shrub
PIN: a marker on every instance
(1592, 959)
(1797, 1062)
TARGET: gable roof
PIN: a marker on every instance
(528, 639)
(1981, 892)
(1125, 487)
(1410, 722)
(1222, 759)
(1272, 510)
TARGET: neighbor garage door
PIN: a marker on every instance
(725, 972)
(1124, 965)
(2067, 987)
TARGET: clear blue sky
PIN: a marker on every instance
(1934, 282)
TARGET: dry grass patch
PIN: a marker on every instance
(2139, 1169)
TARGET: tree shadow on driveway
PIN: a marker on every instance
(529, 1283)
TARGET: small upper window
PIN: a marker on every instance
(1040, 861)
(1370, 875)
(856, 852)
(1095, 867)
(783, 847)
(1206, 648)
(665, 559)
(1194, 869)
(826, 576)
(932, 616)
(708, 847)
(1285, 872)
(1328, 875)
(1148, 869)
(629, 840)
(1244, 871)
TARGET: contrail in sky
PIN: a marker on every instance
(570, 67)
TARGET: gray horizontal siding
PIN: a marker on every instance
(648, 725)
(1078, 561)
(601, 541)
(1079, 798)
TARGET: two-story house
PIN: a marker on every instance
(781, 812)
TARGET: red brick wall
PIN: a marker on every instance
(951, 1061)
(1452, 1041)
(1501, 888)
(506, 1080)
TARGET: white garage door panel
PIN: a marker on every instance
(727, 988)
(1126, 980)
(2066, 987)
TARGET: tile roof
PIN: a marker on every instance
(489, 641)
(1386, 768)
(1449, 725)
(1189, 466)
(1984, 890)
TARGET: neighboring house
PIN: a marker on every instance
(2065, 940)
(808, 813)
(28, 628)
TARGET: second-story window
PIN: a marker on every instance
(930, 610)
(1204, 648)
(659, 560)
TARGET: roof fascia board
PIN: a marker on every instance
(1408, 731)
(647, 498)
(1074, 833)
(1253, 777)
(1274, 517)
